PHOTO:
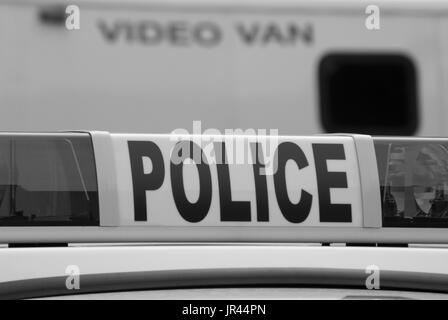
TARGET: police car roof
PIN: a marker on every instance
(193, 266)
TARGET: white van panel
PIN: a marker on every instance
(58, 79)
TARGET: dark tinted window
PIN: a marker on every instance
(413, 181)
(47, 179)
(365, 93)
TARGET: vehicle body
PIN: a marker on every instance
(223, 271)
(298, 66)
(216, 213)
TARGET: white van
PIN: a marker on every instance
(299, 66)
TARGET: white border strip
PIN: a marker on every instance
(106, 178)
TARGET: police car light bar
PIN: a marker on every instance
(101, 187)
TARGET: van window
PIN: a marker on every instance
(374, 94)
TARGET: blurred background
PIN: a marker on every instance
(299, 66)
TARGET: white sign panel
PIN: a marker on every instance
(168, 180)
